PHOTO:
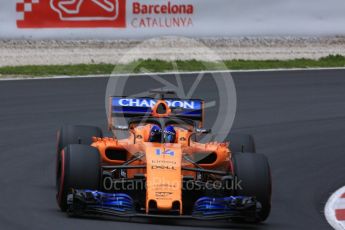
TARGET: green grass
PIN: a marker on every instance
(165, 66)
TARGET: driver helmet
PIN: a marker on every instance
(169, 134)
(155, 134)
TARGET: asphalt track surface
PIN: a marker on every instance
(297, 118)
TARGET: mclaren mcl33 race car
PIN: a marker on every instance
(161, 169)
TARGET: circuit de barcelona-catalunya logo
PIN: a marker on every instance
(71, 13)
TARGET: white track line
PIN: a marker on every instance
(169, 73)
(333, 203)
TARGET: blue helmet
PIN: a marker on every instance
(169, 134)
(155, 134)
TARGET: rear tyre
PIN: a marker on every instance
(76, 134)
(78, 167)
(254, 173)
(241, 143)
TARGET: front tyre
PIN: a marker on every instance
(78, 167)
(253, 172)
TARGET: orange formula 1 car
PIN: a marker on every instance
(160, 170)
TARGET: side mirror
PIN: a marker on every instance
(202, 131)
(121, 127)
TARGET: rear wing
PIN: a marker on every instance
(192, 109)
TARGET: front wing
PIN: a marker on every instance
(89, 202)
